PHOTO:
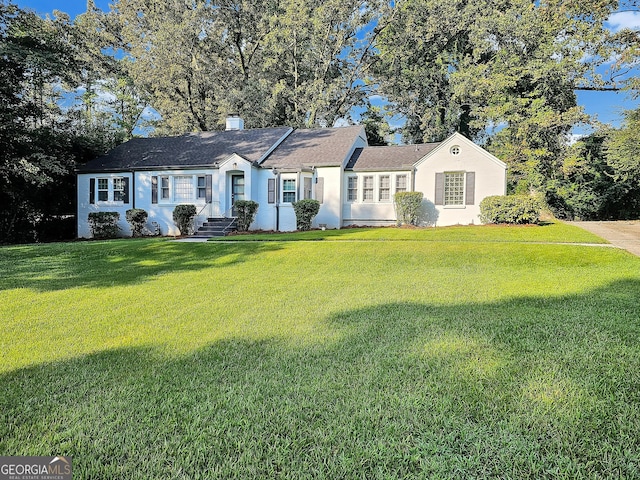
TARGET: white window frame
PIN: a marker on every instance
(111, 188)
(120, 191)
(406, 183)
(384, 190)
(164, 188)
(183, 189)
(352, 188)
(454, 189)
(201, 190)
(368, 190)
(169, 185)
(102, 189)
(287, 192)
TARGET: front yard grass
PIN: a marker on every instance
(461, 356)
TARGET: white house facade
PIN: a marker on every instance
(353, 182)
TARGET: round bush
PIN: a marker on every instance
(137, 219)
(183, 217)
(305, 210)
(246, 210)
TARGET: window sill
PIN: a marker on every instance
(455, 207)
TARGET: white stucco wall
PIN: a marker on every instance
(330, 212)
(374, 213)
(140, 197)
(266, 216)
(490, 179)
(85, 207)
(162, 212)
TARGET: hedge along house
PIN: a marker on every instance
(275, 167)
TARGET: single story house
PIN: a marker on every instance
(354, 182)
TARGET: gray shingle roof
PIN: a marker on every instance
(193, 150)
(399, 157)
(314, 147)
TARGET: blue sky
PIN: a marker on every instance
(608, 106)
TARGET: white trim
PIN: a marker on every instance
(234, 157)
(458, 138)
(171, 200)
(274, 146)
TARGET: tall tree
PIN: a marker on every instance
(505, 70)
(297, 62)
(376, 126)
(38, 149)
(623, 156)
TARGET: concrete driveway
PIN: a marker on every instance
(623, 233)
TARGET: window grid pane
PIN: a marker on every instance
(164, 188)
(401, 183)
(118, 189)
(288, 190)
(385, 188)
(454, 188)
(103, 189)
(367, 189)
(183, 188)
(202, 187)
(352, 189)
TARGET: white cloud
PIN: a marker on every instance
(620, 20)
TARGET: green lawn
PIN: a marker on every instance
(466, 352)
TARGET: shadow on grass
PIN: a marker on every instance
(517, 388)
(109, 263)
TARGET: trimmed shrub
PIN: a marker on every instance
(408, 206)
(104, 224)
(246, 210)
(514, 209)
(183, 217)
(305, 210)
(137, 219)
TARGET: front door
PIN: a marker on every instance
(237, 192)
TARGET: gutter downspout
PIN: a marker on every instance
(277, 193)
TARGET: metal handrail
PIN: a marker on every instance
(196, 220)
(230, 211)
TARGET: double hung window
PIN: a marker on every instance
(288, 190)
(118, 189)
(401, 183)
(165, 193)
(367, 189)
(384, 188)
(202, 187)
(352, 189)
(103, 189)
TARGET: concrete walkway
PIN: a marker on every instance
(623, 234)
(191, 239)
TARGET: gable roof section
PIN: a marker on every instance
(193, 150)
(319, 147)
(459, 138)
(395, 157)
